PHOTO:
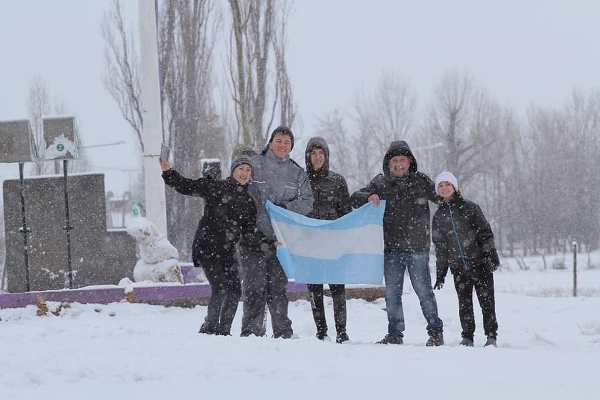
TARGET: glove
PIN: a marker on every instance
(267, 245)
(489, 265)
(439, 283)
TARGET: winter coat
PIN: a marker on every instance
(330, 191)
(462, 237)
(406, 219)
(281, 181)
(229, 213)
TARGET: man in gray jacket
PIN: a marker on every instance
(277, 178)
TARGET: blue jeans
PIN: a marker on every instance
(417, 263)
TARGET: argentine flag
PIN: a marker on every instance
(346, 250)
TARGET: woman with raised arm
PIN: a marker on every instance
(229, 214)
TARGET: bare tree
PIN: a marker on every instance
(192, 125)
(343, 151)
(551, 198)
(121, 77)
(38, 105)
(284, 91)
(381, 116)
(360, 138)
(257, 29)
(82, 163)
(466, 121)
(534, 178)
(564, 152)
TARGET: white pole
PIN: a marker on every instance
(152, 130)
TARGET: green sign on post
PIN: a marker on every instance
(136, 210)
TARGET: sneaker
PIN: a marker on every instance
(467, 342)
(391, 339)
(342, 337)
(436, 339)
(491, 341)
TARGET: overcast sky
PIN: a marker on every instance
(522, 51)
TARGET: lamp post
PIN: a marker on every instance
(574, 268)
(154, 188)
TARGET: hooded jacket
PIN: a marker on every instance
(463, 238)
(406, 221)
(229, 213)
(330, 191)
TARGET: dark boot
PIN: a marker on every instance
(491, 341)
(435, 339)
(467, 342)
(229, 307)
(277, 300)
(338, 293)
(318, 309)
(391, 339)
(208, 329)
(255, 292)
(342, 337)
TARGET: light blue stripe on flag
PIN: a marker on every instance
(346, 250)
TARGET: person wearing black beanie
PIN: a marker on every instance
(229, 215)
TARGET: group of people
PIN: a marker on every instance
(235, 233)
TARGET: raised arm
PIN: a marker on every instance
(189, 187)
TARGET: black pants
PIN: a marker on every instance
(222, 274)
(483, 282)
(338, 292)
(264, 285)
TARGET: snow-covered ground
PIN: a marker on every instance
(549, 348)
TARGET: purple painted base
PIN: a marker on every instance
(180, 295)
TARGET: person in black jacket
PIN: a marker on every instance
(229, 214)
(406, 235)
(464, 242)
(331, 201)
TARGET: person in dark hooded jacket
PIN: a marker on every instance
(331, 201)
(229, 214)
(406, 235)
(464, 242)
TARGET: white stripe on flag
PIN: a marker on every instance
(329, 244)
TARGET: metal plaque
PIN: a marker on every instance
(15, 141)
(61, 139)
